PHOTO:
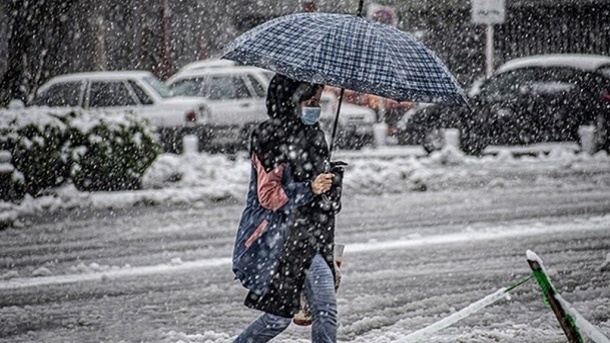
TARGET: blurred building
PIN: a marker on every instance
(128, 34)
(531, 27)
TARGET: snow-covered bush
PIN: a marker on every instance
(12, 186)
(36, 141)
(110, 152)
(96, 150)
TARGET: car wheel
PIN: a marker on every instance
(433, 140)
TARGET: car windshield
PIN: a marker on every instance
(515, 80)
(159, 87)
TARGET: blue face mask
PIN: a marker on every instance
(310, 115)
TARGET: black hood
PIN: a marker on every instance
(284, 94)
(284, 138)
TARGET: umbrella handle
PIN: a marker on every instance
(332, 137)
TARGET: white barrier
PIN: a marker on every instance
(452, 138)
(190, 144)
(587, 138)
(380, 132)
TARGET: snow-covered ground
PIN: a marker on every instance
(425, 237)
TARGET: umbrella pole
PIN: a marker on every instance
(332, 137)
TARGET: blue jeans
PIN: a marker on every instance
(320, 291)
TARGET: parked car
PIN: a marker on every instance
(423, 124)
(236, 97)
(386, 110)
(137, 91)
(528, 100)
(355, 125)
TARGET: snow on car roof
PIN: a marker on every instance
(209, 63)
(213, 71)
(221, 70)
(98, 75)
(579, 61)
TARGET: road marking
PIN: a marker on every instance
(519, 230)
(503, 232)
(114, 274)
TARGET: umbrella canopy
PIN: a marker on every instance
(350, 52)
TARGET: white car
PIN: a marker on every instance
(355, 126)
(139, 92)
(236, 97)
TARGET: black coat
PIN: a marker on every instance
(285, 140)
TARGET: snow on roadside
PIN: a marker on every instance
(199, 177)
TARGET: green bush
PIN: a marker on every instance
(95, 150)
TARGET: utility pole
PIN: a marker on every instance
(100, 37)
(136, 52)
(165, 41)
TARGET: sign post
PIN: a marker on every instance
(387, 16)
(382, 14)
(488, 12)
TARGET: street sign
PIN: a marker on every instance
(488, 11)
(382, 14)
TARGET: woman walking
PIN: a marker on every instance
(285, 240)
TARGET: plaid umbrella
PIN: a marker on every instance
(349, 52)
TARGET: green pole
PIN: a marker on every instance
(565, 320)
